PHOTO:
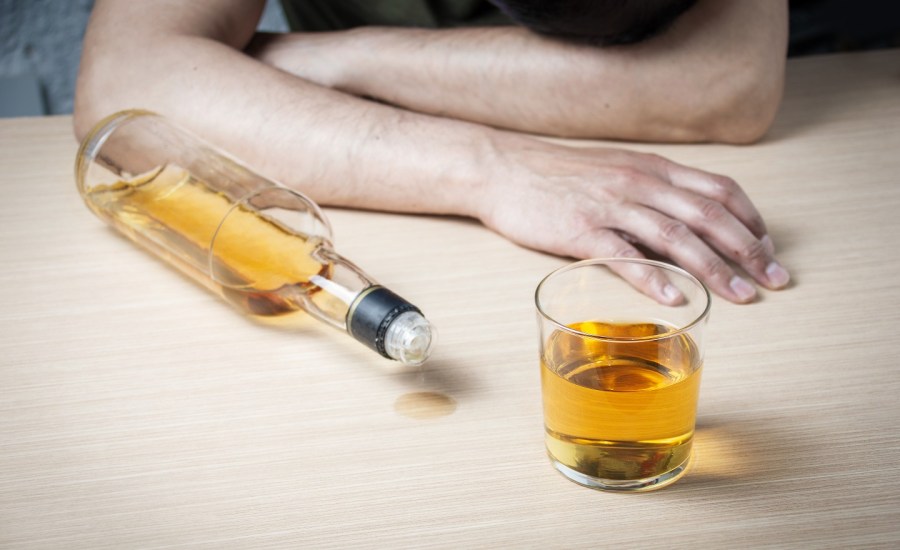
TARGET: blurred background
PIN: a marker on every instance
(40, 42)
(40, 45)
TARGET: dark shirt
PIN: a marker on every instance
(817, 26)
(335, 15)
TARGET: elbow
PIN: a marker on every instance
(95, 63)
(747, 122)
(730, 108)
(83, 117)
(101, 89)
(745, 113)
(90, 103)
(89, 110)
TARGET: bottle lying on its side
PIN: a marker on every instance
(263, 247)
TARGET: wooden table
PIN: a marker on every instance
(138, 410)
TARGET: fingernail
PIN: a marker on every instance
(777, 275)
(768, 244)
(742, 289)
(672, 294)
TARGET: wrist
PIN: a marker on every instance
(500, 171)
(470, 170)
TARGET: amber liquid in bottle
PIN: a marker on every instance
(263, 247)
(620, 410)
(258, 264)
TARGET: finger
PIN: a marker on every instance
(674, 239)
(719, 188)
(718, 226)
(649, 280)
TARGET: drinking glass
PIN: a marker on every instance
(620, 373)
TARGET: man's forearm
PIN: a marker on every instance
(716, 75)
(337, 148)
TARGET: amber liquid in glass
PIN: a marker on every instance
(260, 265)
(620, 410)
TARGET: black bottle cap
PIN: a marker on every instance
(372, 313)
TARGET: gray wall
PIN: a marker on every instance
(40, 45)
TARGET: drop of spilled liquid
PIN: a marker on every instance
(424, 405)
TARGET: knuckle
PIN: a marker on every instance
(712, 212)
(673, 231)
(647, 277)
(715, 268)
(754, 252)
(628, 174)
(625, 252)
(585, 216)
(581, 219)
(724, 188)
(655, 159)
(614, 244)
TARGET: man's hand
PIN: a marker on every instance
(593, 202)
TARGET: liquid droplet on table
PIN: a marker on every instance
(424, 405)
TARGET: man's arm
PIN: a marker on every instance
(715, 75)
(184, 60)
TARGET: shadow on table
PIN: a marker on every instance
(437, 376)
(754, 451)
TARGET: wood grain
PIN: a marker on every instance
(139, 411)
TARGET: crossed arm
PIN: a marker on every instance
(715, 75)
(444, 137)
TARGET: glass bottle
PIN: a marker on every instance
(264, 248)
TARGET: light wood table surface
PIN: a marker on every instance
(137, 410)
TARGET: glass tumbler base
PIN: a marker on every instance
(622, 485)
